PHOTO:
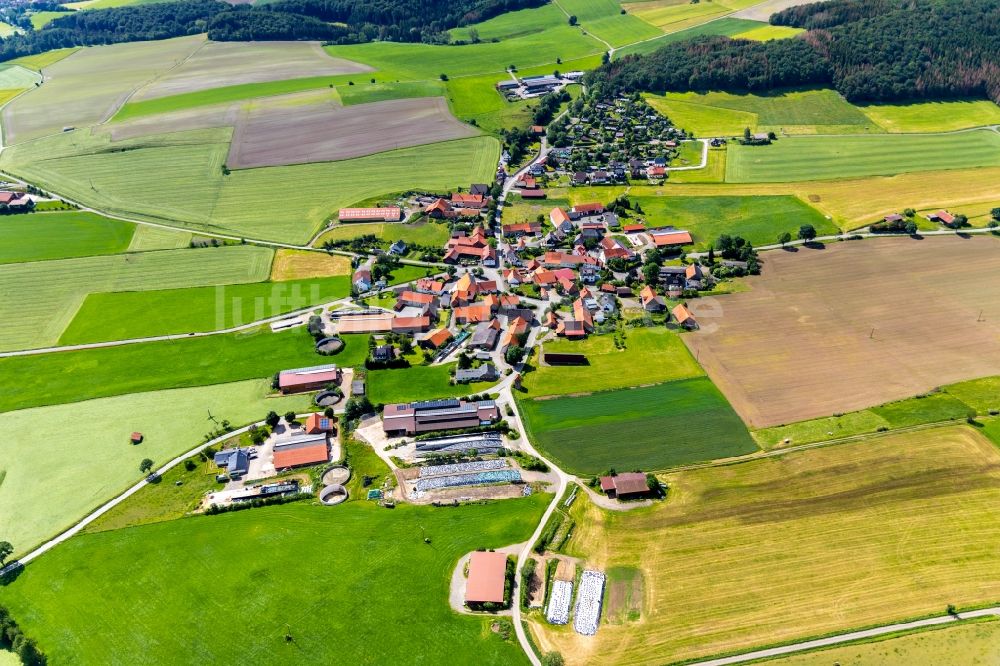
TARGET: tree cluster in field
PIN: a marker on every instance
(331, 21)
(13, 639)
(877, 50)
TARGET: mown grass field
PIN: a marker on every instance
(44, 296)
(61, 235)
(971, 644)
(954, 402)
(54, 479)
(647, 428)
(837, 538)
(933, 116)
(148, 238)
(272, 551)
(719, 26)
(604, 19)
(651, 355)
(671, 16)
(818, 158)
(418, 382)
(52, 379)
(786, 112)
(424, 233)
(366, 92)
(179, 177)
(75, 97)
(17, 76)
(759, 219)
(138, 314)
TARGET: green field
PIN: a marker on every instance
(648, 428)
(604, 19)
(179, 177)
(954, 402)
(833, 157)
(226, 94)
(759, 219)
(56, 476)
(44, 296)
(787, 112)
(285, 576)
(43, 60)
(934, 116)
(426, 233)
(139, 314)
(651, 355)
(727, 27)
(418, 382)
(61, 235)
(510, 25)
(768, 32)
(970, 644)
(17, 76)
(50, 379)
(366, 93)
(155, 238)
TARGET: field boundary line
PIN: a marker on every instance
(848, 637)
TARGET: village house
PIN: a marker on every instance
(522, 229)
(486, 335)
(651, 301)
(484, 373)
(362, 279)
(436, 339)
(684, 317)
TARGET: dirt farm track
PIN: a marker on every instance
(800, 343)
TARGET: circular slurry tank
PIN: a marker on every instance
(327, 398)
(333, 494)
(336, 475)
(330, 345)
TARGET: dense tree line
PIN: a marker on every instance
(331, 21)
(867, 49)
(401, 20)
(717, 63)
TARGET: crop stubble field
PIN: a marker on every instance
(823, 305)
(74, 97)
(833, 538)
(239, 63)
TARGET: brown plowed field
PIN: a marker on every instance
(270, 134)
(800, 343)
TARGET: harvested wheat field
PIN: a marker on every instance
(795, 546)
(236, 63)
(284, 131)
(856, 324)
(302, 264)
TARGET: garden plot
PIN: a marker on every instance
(858, 324)
(88, 87)
(280, 132)
(236, 63)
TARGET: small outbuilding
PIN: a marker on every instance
(136, 437)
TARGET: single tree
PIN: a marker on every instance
(995, 213)
(444, 77)
(145, 465)
(272, 419)
(6, 550)
(746, 134)
(572, 19)
(289, 417)
(711, 256)
(807, 232)
(784, 238)
(911, 228)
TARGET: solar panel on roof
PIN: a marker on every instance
(435, 404)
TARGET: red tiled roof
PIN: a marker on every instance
(487, 577)
(439, 337)
(589, 208)
(630, 483)
(667, 238)
(558, 216)
(303, 455)
(319, 423)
